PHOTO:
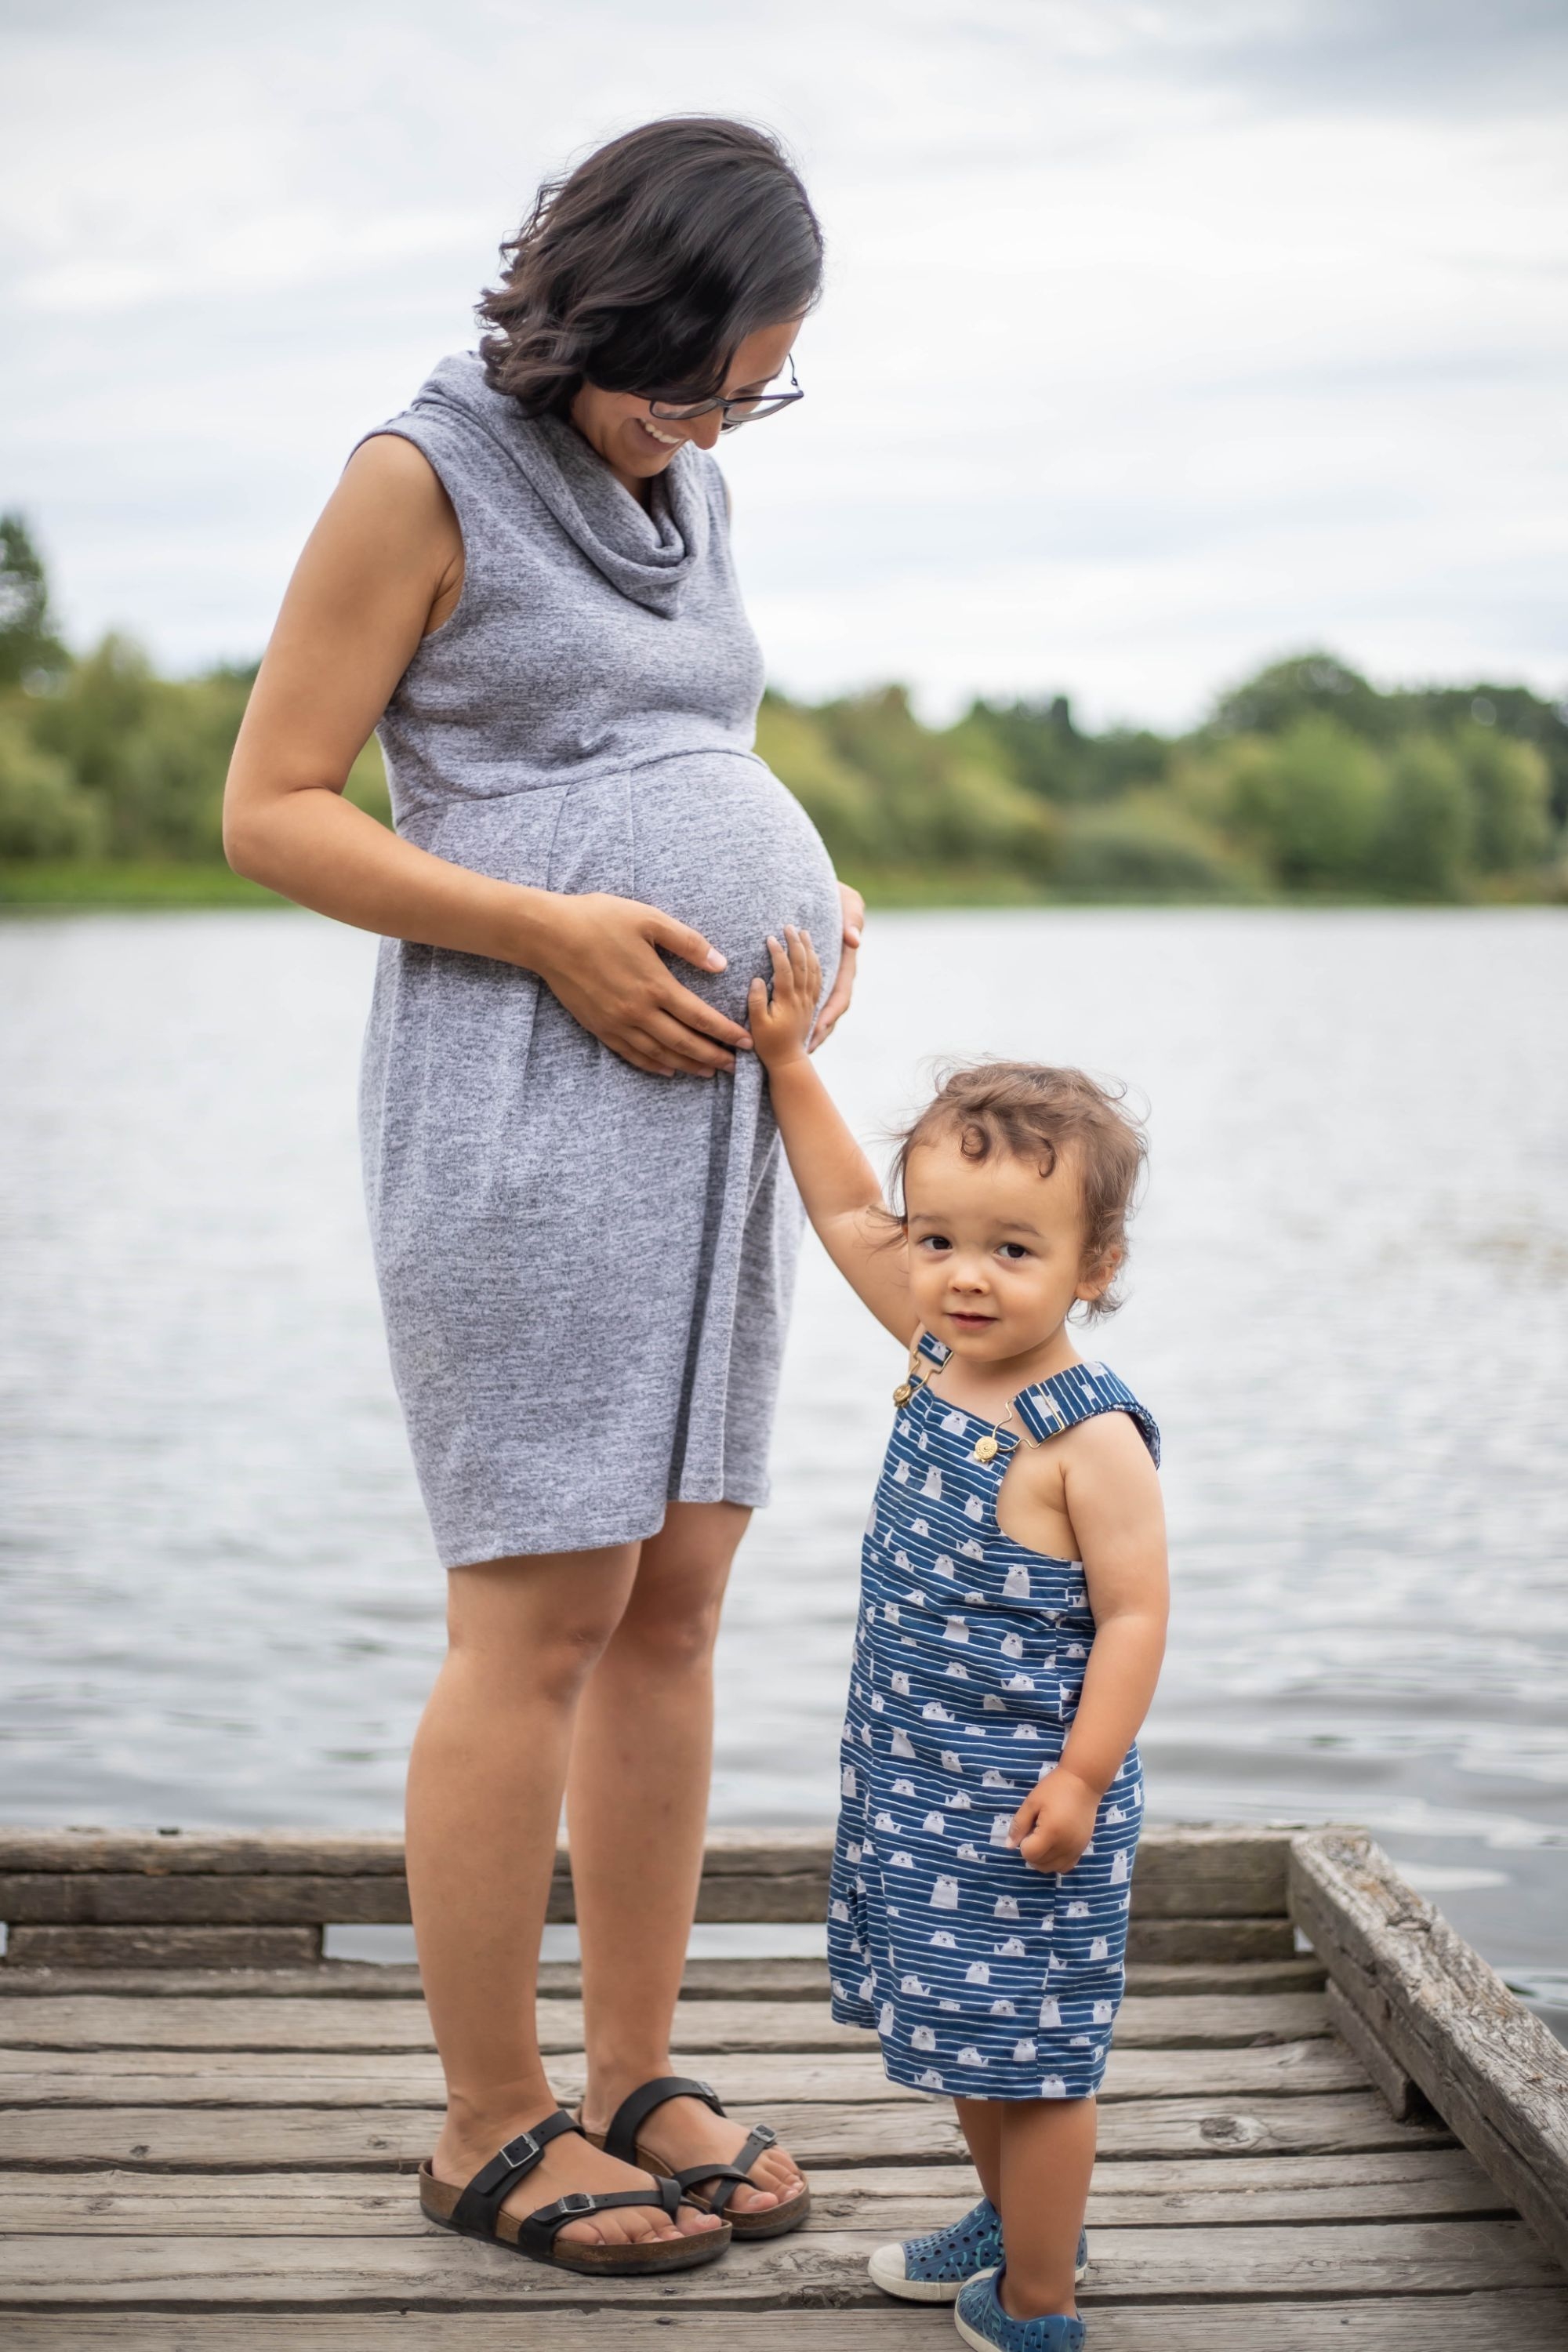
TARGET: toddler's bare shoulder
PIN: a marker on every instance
(1112, 1443)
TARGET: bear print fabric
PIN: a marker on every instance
(985, 1980)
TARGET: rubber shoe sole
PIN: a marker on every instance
(886, 2267)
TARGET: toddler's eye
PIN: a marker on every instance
(1014, 1250)
(936, 1242)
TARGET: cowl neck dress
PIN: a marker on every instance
(585, 1270)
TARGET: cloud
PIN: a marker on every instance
(1156, 337)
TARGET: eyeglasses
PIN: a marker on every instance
(749, 409)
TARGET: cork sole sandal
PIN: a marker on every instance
(723, 2180)
(476, 2212)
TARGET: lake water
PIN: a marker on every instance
(1347, 1303)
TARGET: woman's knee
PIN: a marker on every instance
(530, 1632)
(672, 1626)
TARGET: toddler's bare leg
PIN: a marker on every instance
(1048, 2156)
(980, 2121)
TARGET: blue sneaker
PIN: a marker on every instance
(982, 2322)
(933, 2269)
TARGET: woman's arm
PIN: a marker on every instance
(1112, 1498)
(837, 1183)
(381, 570)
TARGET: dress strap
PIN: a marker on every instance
(1080, 1393)
(935, 1352)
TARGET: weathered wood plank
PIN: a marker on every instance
(358, 1854)
(1404, 2097)
(1184, 1869)
(150, 1946)
(896, 2201)
(1530, 2320)
(759, 1979)
(1165, 1942)
(103, 1898)
(1451, 2257)
(81, 2021)
(1490, 2069)
(332, 2078)
(330, 2138)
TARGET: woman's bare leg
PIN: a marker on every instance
(485, 1782)
(637, 1808)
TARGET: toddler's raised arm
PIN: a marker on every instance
(837, 1183)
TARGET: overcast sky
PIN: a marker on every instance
(1160, 337)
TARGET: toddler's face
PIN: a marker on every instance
(996, 1249)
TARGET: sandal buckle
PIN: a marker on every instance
(520, 2151)
(766, 2134)
(577, 2200)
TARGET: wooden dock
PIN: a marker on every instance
(209, 2133)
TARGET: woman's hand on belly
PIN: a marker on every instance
(843, 987)
(601, 957)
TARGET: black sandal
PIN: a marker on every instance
(476, 2212)
(621, 2140)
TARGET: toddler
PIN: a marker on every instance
(1009, 1636)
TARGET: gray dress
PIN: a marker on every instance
(585, 1270)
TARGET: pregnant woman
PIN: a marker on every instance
(583, 1234)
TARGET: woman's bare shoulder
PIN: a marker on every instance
(394, 475)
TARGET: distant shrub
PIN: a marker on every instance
(934, 800)
(1307, 804)
(1428, 826)
(42, 813)
(840, 802)
(1147, 846)
(1509, 791)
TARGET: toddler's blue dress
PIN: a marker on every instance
(984, 1978)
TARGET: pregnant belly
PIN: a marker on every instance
(723, 845)
(714, 838)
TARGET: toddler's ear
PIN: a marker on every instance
(1098, 1274)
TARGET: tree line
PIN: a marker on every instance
(1308, 781)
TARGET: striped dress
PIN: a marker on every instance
(985, 1980)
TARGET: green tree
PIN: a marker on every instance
(42, 813)
(154, 752)
(1314, 685)
(1428, 826)
(1149, 846)
(27, 642)
(937, 802)
(839, 800)
(1510, 790)
(1307, 806)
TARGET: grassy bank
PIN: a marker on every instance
(108, 883)
(125, 882)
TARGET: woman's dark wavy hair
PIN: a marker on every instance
(646, 267)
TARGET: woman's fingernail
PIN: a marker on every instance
(852, 938)
(716, 962)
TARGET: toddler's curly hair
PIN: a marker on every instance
(1034, 1112)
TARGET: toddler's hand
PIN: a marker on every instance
(781, 1024)
(1055, 1821)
